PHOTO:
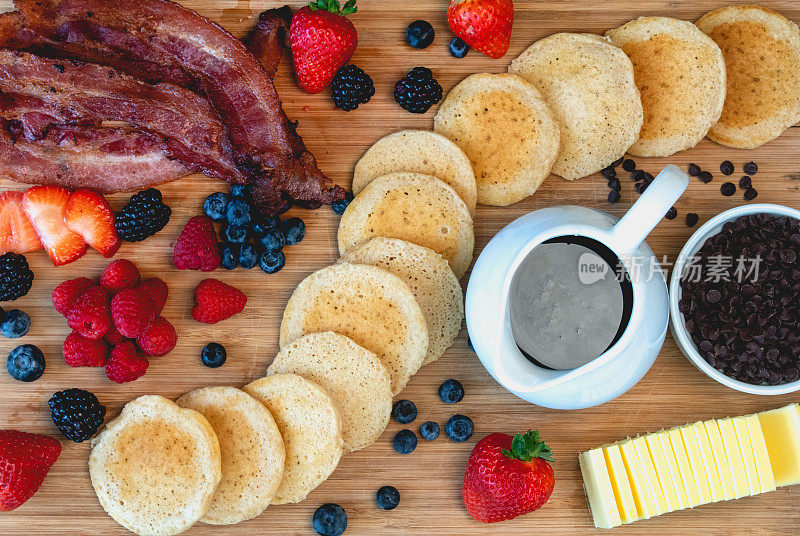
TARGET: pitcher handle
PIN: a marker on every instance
(648, 211)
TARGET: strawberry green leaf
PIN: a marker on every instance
(526, 447)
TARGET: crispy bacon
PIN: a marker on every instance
(269, 37)
(163, 33)
(90, 94)
(77, 156)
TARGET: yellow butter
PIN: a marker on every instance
(620, 484)
(696, 461)
(642, 493)
(710, 464)
(740, 426)
(741, 484)
(664, 473)
(649, 472)
(723, 463)
(674, 470)
(781, 429)
(763, 467)
(691, 485)
(599, 491)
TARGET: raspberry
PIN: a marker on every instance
(157, 290)
(65, 294)
(132, 310)
(113, 336)
(159, 338)
(125, 364)
(82, 352)
(196, 248)
(90, 315)
(215, 301)
(119, 275)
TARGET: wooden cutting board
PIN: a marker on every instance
(429, 480)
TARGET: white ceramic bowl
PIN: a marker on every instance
(682, 337)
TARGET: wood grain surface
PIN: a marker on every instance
(429, 480)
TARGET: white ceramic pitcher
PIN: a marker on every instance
(631, 356)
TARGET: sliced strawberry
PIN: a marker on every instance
(16, 231)
(89, 215)
(46, 207)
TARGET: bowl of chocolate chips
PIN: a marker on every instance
(735, 299)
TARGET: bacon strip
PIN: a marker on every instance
(91, 94)
(242, 92)
(269, 37)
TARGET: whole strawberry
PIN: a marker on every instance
(25, 460)
(322, 41)
(214, 301)
(507, 477)
(485, 25)
(196, 248)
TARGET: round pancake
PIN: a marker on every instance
(680, 74)
(353, 376)
(588, 84)
(311, 429)
(762, 57)
(429, 277)
(155, 467)
(371, 306)
(508, 132)
(418, 151)
(252, 451)
(413, 207)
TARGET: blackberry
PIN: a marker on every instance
(77, 413)
(418, 91)
(350, 87)
(16, 277)
(143, 216)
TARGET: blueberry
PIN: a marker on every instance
(295, 230)
(261, 224)
(229, 256)
(451, 392)
(459, 428)
(429, 430)
(235, 234)
(26, 363)
(272, 261)
(387, 498)
(420, 34)
(238, 212)
(248, 256)
(213, 355)
(273, 240)
(404, 411)
(242, 191)
(405, 441)
(15, 324)
(458, 48)
(287, 203)
(339, 206)
(330, 520)
(216, 205)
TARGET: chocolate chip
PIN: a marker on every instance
(609, 172)
(727, 189)
(641, 187)
(617, 162)
(726, 167)
(751, 168)
(692, 219)
(614, 184)
(629, 165)
(705, 177)
(694, 170)
(640, 175)
(750, 194)
(745, 182)
(671, 213)
(613, 196)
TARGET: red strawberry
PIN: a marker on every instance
(119, 275)
(485, 25)
(46, 208)
(159, 338)
(132, 310)
(16, 231)
(25, 460)
(507, 477)
(215, 301)
(82, 352)
(65, 294)
(125, 364)
(113, 336)
(89, 215)
(90, 314)
(322, 41)
(196, 248)
(157, 290)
